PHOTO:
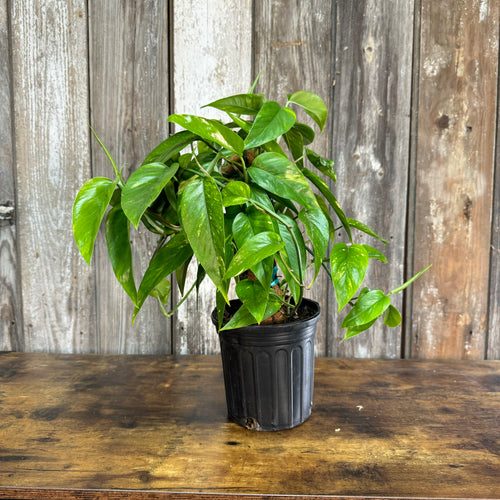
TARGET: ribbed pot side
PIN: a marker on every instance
(269, 372)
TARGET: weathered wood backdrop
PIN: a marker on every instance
(413, 90)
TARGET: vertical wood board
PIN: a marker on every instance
(10, 310)
(372, 99)
(454, 176)
(49, 48)
(493, 335)
(293, 50)
(212, 59)
(129, 78)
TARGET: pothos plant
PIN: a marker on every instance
(238, 197)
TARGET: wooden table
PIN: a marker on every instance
(153, 427)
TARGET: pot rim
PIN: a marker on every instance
(256, 329)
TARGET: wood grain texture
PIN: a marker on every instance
(372, 98)
(104, 426)
(129, 78)
(10, 300)
(50, 92)
(455, 166)
(293, 50)
(493, 334)
(212, 59)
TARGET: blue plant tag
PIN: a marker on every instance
(274, 278)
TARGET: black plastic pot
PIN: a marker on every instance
(269, 371)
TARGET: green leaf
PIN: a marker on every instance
(165, 262)
(143, 187)
(373, 253)
(325, 166)
(254, 296)
(181, 275)
(410, 281)
(249, 224)
(235, 193)
(365, 229)
(295, 144)
(243, 317)
(317, 228)
(305, 131)
(88, 211)
(326, 213)
(312, 104)
(170, 147)
(241, 104)
(254, 250)
(368, 307)
(291, 260)
(119, 250)
(271, 122)
(325, 191)
(211, 130)
(348, 265)
(277, 174)
(202, 218)
(161, 291)
(392, 317)
(356, 330)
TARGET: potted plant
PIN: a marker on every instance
(249, 201)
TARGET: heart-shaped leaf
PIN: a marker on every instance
(235, 193)
(143, 187)
(392, 317)
(211, 130)
(249, 224)
(88, 211)
(254, 250)
(202, 218)
(241, 104)
(368, 307)
(277, 174)
(348, 266)
(170, 147)
(271, 122)
(176, 251)
(254, 296)
(243, 317)
(312, 104)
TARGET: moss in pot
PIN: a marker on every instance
(238, 197)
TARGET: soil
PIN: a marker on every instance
(304, 312)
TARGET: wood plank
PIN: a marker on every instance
(212, 59)
(129, 68)
(372, 99)
(293, 51)
(10, 300)
(454, 176)
(493, 335)
(104, 426)
(50, 91)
